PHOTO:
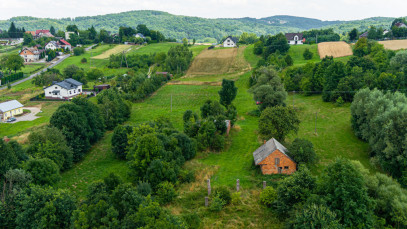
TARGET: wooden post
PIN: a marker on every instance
(264, 184)
(206, 201)
(209, 187)
(237, 185)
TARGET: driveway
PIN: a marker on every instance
(30, 116)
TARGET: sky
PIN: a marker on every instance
(319, 9)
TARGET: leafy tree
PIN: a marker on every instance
(14, 62)
(47, 78)
(44, 208)
(12, 154)
(114, 108)
(94, 74)
(178, 59)
(52, 30)
(228, 92)
(28, 38)
(277, 122)
(72, 28)
(294, 189)
(77, 51)
(276, 43)
(314, 216)
(49, 142)
(353, 34)
(74, 72)
(302, 151)
(44, 171)
(211, 108)
(288, 60)
(346, 195)
(166, 192)
(258, 48)
(120, 141)
(307, 54)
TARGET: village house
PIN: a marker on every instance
(295, 38)
(65, 44)
(30, 54)
(65, 89)
(42, 33)
(52, 45)
(273, 159)
(400, 25)
(230, 42)
(139, 35)
(10, 109)
(68, 34)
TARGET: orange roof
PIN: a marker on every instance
(30, 32)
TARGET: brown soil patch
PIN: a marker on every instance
(334, 49)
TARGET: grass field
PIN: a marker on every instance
(218, 61)
(296, 52)
(32, 68)
(113, 51)
(394, 44)
(335, 49)
(164, 47)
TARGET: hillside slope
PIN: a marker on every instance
(176, 26)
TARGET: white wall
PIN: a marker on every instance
(63, 93)
(50, 46)
(229, 43)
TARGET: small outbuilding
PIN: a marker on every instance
(10, 109)
(273, 158)
(101, 87)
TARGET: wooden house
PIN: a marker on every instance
(273, 158)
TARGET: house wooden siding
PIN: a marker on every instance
(268, 165)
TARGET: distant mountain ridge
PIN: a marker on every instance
(203, 29)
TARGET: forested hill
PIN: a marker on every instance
(175, 26)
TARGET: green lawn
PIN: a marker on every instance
(250, 56)
(164, 47)
(296, 52)
(32, 68)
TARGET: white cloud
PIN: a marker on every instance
(321, 9)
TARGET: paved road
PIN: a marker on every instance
(43, 70)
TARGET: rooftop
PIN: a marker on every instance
(10, 105)
(268, 148)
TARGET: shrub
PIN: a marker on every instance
(166, 192)
(192, 219)
(44, 171)
(268, 196)
(144, 188)
(186, 176)
(339, 101)
(78, 51)
(307, 54)
(236, 198)
(84, 60)
(302, 151)
(223, 193)
(217, 204)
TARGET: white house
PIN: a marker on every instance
(65, 89)
(139, 35)
(65, 44)
(68, 34)
(53, 45)
(230, 42)
(400, 25)
(294, 38)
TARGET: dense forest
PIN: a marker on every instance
(202, 29)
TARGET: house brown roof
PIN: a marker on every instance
(268, 148)
(290, 36)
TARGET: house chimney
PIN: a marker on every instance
(264, 142)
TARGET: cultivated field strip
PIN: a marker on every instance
(395, 44)
(334, 49)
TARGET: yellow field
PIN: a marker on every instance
(394, 45)
(117, 49)
(218, 62)
(334, 49)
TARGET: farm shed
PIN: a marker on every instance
(273, 159)
(10, 109)
(101, 87)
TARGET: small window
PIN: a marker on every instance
(70, 92)
(277, 161)
(56, 88)
(50, 92)
(285, 167)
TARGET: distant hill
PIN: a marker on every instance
(203, 29)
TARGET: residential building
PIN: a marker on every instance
(400, 25)
(52, 45)
(10, 109)
(295, 38)
(273, 158)
(139, 35)
(65, 89)
(68, 34)
(230, 42)
(43, 33)
(65, 44)
(30, 54)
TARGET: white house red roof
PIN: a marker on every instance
(38, 31)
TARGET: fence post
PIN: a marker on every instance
(209, 187)
(264, 184)
(206, 201)
(237, 185)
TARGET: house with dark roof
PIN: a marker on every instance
(9, 109)
(400, 25)
(230, 42)
(273, 158)
(65, 89)
(139, 35)
(295, 38)
(365, 34)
